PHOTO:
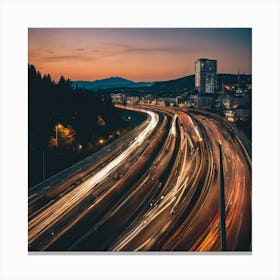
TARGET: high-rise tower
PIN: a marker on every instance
(205, 75)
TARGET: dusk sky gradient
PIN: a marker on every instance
(138, 54)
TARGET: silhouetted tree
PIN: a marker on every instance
(65, 137)
(50, 103)
(61, 81)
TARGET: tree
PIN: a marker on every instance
(62, 81)
(68, 135)
(100, 121)
(65, 136)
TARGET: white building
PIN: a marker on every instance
(117, 98)
(132, 100)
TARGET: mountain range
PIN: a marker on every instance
(113, 82)
(184, 83)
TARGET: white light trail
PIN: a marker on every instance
(173, 126)
(44, 220)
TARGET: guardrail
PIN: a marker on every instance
(83, 164)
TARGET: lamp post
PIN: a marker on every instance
(43, 164)
(129, 118)
(56, 133)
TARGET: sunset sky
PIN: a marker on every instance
(138, 54)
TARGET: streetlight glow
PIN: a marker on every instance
(57, 126)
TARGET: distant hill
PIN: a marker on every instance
(230, 79)
(188, 83)
(113, 82)
(185, 83)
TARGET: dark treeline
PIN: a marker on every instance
(51, 103)
(66, 123)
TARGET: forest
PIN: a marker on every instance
(66, 124)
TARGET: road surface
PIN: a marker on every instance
(157, 189)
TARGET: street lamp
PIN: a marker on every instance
(129, 118)
(56, 132)
(43, 164)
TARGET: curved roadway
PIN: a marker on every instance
(156, 190)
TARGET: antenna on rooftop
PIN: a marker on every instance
(238, 76)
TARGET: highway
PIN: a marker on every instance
(156, 189)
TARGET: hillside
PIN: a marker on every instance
(176, 86)
(188, 83)
(113, 82)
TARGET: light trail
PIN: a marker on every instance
(46, 219)
(174, 202)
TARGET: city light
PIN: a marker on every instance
(137, 165)
(58, 126)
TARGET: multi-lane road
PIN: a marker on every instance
(156, 189)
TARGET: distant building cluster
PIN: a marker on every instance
(144, 100)
(231, 100)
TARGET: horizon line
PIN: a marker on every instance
(141, 81)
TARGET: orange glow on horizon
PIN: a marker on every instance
(134, 54)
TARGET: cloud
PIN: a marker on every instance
(125, 48)
(156, 50)
(105, 51)
(69, 57)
